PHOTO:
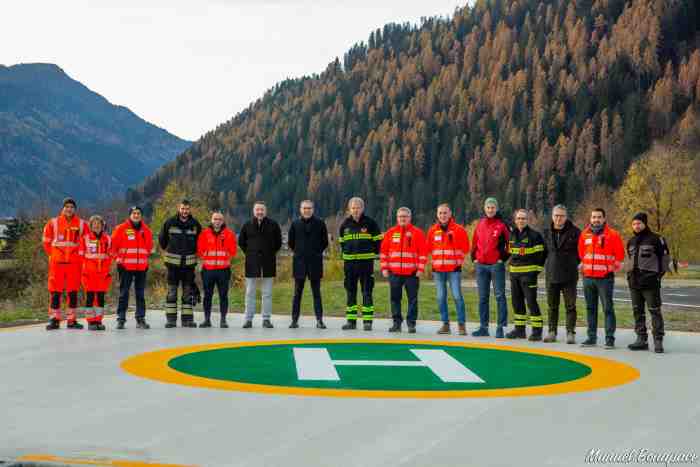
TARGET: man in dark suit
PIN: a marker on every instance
(260, 240)
(308, 238)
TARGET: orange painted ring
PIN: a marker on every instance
(605, 373)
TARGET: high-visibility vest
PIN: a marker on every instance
(447, 247)
(216, 250)
(61, 239)
(132, 247)
(403, 250)
(600, 254)
(96, 252)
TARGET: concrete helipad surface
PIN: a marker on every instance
(65, 394)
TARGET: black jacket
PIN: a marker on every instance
(307, 239)
(562, 258)
(646, 260)
(179, 240)
(360, 240)
(527, 251)
(260, 242)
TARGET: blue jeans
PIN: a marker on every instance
(485, 273)
(600, 288)
(455, 280)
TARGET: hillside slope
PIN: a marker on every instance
(534, 101)
(59, 138)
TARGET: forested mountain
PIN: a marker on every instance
(533, 101)
(58, 138)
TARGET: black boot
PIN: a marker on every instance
(396, 327)
(350, 325)
(320, 325)
(223, 323)
(658, 345)
(53, 324)
(294, 324)
(170, 320)
(74, 325)
(206, 323)
(267, 324)
(142, 324)
(640, 344)
(367, 325)
(535, 335)
(99, 327)
(187, 321)
(518, 333)
(411, 328)
(121, 323)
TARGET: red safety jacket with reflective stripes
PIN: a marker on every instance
(600, 254)
(62, 239)
(132, 246)
(96, 253)
(448, 247)
(216, 249)
(403, 251)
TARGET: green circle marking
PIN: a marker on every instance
(275, 365)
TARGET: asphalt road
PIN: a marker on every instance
(687, 298)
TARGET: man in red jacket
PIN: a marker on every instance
(402, 259)
(601, 251)
(448, 244)
(216, 247)
(132, 243)
(62, 244)
(489, 254)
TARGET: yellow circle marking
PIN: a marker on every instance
(605, 373)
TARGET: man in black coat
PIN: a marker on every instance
(561, 272)
(260, 239)
(307, 238)
(646, 262)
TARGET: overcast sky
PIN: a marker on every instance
(189, 65)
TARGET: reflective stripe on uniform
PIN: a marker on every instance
(359, 256)
(520, 269)
(528, 251)
(96, 256)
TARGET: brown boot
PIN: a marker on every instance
(551, 337)
(445, 329)
(462, 329)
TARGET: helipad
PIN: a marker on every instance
(308, 397)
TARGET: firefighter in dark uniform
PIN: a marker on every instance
(360, 239)
(528, 254)
(178, 239)
(646, 262)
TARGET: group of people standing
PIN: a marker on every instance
(80, 254)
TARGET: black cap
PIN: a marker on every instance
(70, 201)
(135, 208)
(641, 216)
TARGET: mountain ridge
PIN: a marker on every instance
(534, 101)
(55, 131)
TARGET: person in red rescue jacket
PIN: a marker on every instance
(448, 244)
(402, 257)
(601, 251)
(95, 248)
(61, 240)
(132, 244)
(489, 254)
(216, 247)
